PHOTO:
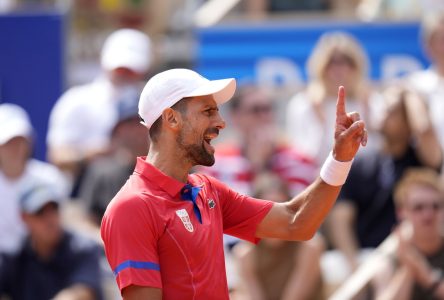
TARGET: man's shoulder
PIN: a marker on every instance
(132, 197)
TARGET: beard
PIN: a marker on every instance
(197, 154)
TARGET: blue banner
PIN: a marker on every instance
(278, 52)
(32, 66)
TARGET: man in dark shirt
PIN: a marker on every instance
(106, 175)
(53, 263)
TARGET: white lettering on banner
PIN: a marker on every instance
(284, 72)
(278, 71)
(397, 65)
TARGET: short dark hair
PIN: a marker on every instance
(155, 129)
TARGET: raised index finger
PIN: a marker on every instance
(340, 104)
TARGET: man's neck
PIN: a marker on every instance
(396, 149)
(44, 250)
(170, 163)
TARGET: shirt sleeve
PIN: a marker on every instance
(241, 214)
(130, 234)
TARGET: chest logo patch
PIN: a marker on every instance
(211, 203)
(185, 218)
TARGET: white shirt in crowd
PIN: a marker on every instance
(83, 117)
(313, 135)
(431, 85)
(12, 229)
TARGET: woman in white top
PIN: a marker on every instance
(336, 60)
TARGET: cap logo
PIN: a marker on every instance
(185, 218)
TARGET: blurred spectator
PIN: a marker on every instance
(16, 169)
(52, 263)
(364, 214)
(370, 10)
(82, 119)
(106, 175)
(260, 8)
(259, 146)
(336, 60)
(430, 82)
(416, 269)
(276, 269)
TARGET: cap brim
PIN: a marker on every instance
(222, 90)
(15, 130)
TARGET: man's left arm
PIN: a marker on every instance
(299, 218)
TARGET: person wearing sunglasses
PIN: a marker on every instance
(416, 268)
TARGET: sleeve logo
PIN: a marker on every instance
(185, 218)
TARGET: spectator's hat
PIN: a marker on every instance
(166, 88)
(127, 48)
(14, 122)
(127, 106)
(36, 196)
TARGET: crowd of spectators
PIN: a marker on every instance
(95, 136)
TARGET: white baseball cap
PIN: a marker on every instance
(128, 48)
(14, 121)
(166, 88)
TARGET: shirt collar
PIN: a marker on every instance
(168, 184)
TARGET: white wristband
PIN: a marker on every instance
(335, 172)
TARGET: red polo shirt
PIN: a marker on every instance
(154, 238)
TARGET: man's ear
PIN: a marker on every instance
(172, 118)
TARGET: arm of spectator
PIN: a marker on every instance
(300, 218)
(418, 266)
(244, 254)
(76, 292)
(256, 9)
(340, 227)
(398, 288)
(134, 292)
(306, 275)
(427, 142)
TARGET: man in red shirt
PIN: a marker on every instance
(163, 230)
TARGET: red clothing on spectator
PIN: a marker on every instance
(234, 169)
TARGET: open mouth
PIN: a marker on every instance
(207, 144)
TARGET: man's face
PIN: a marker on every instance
(44, 225)
(255, 112)
(124, 76)
(131, 135)
(340, 70)
(201, 124)
(15, 150)
(423, 207)
(395, 126)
